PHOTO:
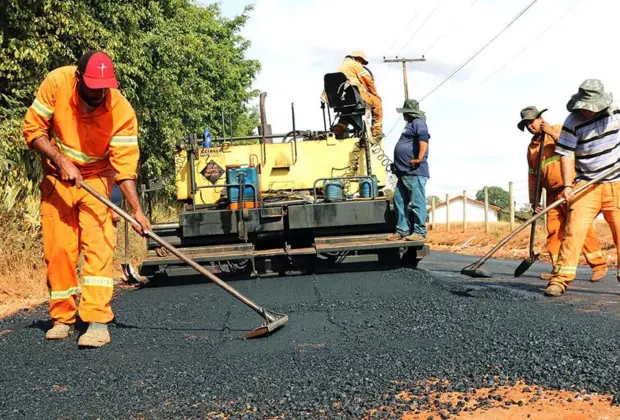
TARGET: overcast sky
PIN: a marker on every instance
(540, 60)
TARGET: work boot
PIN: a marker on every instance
(58, 332)
(546, 276)
(96, 336)
(553, 290)
(395, 237)
(415, 237)
(597, 275)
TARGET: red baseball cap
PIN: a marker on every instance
(97, 70)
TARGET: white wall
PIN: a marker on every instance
(475, 212)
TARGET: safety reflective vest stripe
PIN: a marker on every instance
(124, 141)
(42, 110)
(98, 281)
(546, 162)
(64, 294)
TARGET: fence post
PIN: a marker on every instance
(447, 213)
(433, 213)
(512, 205)
(544, 204)
(464, 210)
(486, 209)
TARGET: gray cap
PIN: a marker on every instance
(528, 114)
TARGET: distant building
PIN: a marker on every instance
(475, 211)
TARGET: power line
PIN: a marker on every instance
(417, 30)
(460, 67)
(421, 26)
(450, 26)
(540, 35)
(480, 50)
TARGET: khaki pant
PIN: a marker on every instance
(583, 210)
(556, 226)
(376, 107)
(72, 219)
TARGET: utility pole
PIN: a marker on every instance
(404, 61)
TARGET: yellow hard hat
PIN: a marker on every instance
(359, 54)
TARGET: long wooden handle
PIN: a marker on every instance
(512, 234)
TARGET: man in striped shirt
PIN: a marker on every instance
(551, 181)
(86, 132)
(590, 143)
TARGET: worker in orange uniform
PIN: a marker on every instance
(86, 132)
(358, 75)
(551, 180)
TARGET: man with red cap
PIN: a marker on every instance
(87, 133)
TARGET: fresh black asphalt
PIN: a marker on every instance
(353, 342)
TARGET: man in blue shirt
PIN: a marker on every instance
(411, 168)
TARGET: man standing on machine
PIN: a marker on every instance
(86, 132)
(551, 180)
(358, 75)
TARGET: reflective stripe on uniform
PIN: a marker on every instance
(567, 270)
(363, 73)
(594, 254)
(42, 110)
(98, 281)
(124, 141)
(79, 156)
(64, 294)
(555, 158)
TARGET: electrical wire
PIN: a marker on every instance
(460, 67)
(528, 46)
(450, 27)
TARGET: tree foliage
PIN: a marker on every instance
(180, 65)
(497, 197)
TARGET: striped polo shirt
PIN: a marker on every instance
(594, 143)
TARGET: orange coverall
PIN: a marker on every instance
(360, 77)
(103, 145)
(551, 181)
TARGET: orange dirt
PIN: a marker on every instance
(509, 403)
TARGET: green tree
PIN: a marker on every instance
(497, 197)
(429, 199)
(179, 64)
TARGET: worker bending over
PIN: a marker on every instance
(589, 143)
(86, 132)
(551, 181)
(358, 75)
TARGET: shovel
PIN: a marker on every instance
(474, 270)
(527, 263)
(273, 320)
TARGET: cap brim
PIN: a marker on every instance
(522, 124)
(93, 83)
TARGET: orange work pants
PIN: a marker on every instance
(72, 219)
(376, 107)
(583, 209)
(556, 223)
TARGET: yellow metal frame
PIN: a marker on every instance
(281, 169)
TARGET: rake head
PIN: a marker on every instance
(273, 321)
(476, 272)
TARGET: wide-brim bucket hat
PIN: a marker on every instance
(591, 96)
